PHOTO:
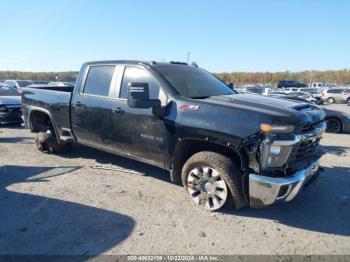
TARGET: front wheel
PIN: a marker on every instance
(213, 181)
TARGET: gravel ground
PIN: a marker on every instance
(53, 204)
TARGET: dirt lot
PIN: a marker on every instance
(60, 205)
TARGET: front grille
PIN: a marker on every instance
(305, 149)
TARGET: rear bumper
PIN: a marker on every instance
(265, 191)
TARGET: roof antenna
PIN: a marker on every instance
(194, 64)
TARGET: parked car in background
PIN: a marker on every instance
(290, 83)
(18, 83)
(40, 82)
(333, 95)
(345, 97)
(10, 105)
(308, 96)
(337, 121)
(255, 90)
(317, 85)
(57, 83)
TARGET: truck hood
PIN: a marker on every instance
(10, 100)
(273, 110)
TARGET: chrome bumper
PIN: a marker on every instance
(264, 191)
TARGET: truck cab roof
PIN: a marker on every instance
(136, 62)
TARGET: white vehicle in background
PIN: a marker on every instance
(318, 85)
(334, 95)
(58, 83)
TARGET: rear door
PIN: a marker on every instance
(92, 106)
(138, 132)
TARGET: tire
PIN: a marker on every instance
(334, 125)
(205, 176)
(348, 102)
(330, 100)
(47, 142)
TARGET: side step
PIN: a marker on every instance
(67, 139)
(66, 135)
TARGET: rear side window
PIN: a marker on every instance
(99, 80)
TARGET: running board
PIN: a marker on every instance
(67, 138)
(66, 135)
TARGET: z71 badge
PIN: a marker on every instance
(189, 107)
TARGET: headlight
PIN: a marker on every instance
(267, 128)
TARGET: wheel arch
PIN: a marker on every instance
(187, 147)
(37, 114)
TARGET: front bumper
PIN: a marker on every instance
(265, 191)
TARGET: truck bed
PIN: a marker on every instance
(54, 103)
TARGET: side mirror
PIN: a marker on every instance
(138, 96)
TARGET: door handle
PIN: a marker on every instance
(78, 103)
(118, 110)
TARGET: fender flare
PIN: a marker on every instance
(45, 111)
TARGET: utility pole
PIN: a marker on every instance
(188, 57)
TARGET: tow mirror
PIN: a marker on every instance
(138, 96)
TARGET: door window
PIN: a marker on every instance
(135, 74)
(98, 81)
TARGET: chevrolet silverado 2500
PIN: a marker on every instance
(227, 149)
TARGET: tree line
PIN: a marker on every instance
(44, 76)
(341, 77)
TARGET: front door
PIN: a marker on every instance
(138, 132)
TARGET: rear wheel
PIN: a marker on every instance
(213, 181)
(47, 142)
(330, 100)
(334, 125)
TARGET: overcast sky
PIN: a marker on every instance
(261, 35)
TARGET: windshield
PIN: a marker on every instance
(193, 82)
(8, 91)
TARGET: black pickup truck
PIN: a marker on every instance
(226, 149)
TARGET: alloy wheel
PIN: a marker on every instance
(207, 188)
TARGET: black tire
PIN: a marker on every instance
(227, 170)
(47, 142)
(334, 125)
(330, 100)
